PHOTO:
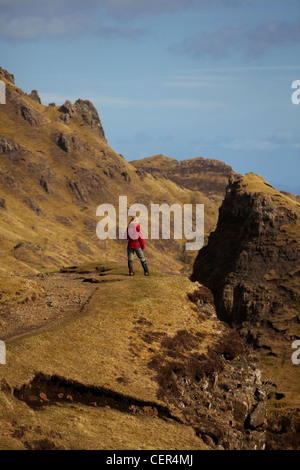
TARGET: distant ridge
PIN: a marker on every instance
(57, 167)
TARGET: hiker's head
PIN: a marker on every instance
(135, 220)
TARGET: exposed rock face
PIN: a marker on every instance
(8, 145)
(2, 203)
(220, 393)
(69, 142)
(86, 185)
(251, 261)
(9, 76)
(28, 113)
(22, 106)
(89, 114)
(35, 96)
(86, 111)
(67, 109)
(31, 203)
(251, 265)
(207, 175)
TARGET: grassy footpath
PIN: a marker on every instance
(110, 345)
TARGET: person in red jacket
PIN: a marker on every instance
(136, 244)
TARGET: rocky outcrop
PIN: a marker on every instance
(220, 393)
(90, 115)
(28, 113)
(251, 265)
(8, 76)
(68, 111)
(8, 145)
(23, 107)
(252, 259)
(35, 96)
(32, 204)
(85, 186)
(198, 174)
(69, 142)
(84, 110)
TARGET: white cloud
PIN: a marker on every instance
(239, 40)
(24, 20)
(285, 139)
(198, 81)
(280, 139)
(127, 102)
(59, 19)
(248, 144)
(173, 103)
(127, 8)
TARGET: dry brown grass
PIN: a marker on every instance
(57, 242)
(107, 346)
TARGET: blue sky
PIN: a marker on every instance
(184, 78)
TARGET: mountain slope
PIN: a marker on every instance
(145, 364)
(56, 168)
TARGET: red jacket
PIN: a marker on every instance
(135, 236)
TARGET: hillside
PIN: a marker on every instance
(56, 168)
(251, 264)
(142, 364)
(92, 351)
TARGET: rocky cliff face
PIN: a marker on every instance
(8, 76)
(207, 175)
(251, 264)
(85, 111)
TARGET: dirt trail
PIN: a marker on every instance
(62, 296)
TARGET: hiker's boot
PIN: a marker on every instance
(130, 267)
(145, 267)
